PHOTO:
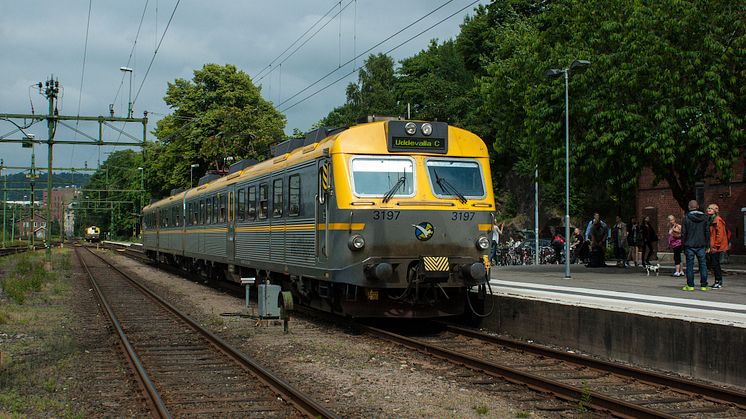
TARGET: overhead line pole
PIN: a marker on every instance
(50, 90)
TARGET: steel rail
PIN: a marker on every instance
(302, 402)
(650, 377)
(598, 401)
(154, 397)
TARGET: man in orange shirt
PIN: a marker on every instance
(718, 242)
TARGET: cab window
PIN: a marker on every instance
(451, 177)
(380, 176)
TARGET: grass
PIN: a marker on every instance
(481, 409)
(37, 352)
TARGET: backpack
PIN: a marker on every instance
(558, 239)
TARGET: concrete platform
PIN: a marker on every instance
(628, 290)
(625, 315)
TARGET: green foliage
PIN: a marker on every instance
(481, 409)
(117, 210)
(585, 398)
(436, 84)
(661, 92)
(218, 114)
(28, 275)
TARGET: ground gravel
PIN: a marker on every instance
(354, 375)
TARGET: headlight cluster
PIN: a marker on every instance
(483, 243)
(411, 128)
(356, 242)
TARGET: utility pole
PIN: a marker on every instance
(5, 195)
(50, 89)
(32, 176)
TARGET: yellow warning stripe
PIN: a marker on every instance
(265, 229)
(485, 227)
(435, 264)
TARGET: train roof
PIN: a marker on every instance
(359, 139)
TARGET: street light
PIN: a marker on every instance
(191, 174)
(554, 73)
(129, 102)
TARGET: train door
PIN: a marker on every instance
(322, 210)
(230, 218)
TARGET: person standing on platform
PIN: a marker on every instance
(648, 238)
(695, 235)
(634, 240)
(674, 242)
(718, 242)
(497, 230)
(598, 233)
(619, 240)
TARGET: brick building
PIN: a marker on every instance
(61, 198)
(658, 202)
(25, 226)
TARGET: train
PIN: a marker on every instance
(92, 234)
(387, 218)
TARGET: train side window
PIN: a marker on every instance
(214, 210)
(241, 204)
(202, 211)
(195, 218)
(294, 195)
(208, 211)
(222, 199)
(263, 192)
(177, 213)
(277, 204)
(251, 215)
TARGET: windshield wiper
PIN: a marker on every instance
(392, 191)
(446, 185)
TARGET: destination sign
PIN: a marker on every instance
(437, 145)
(433, 140)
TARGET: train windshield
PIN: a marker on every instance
(455, 178)
(377, 176)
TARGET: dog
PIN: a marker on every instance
(653, 268)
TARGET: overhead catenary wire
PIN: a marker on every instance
(150, 65)
(296, 41)
(82, 76)
(331, 19)
(132, 51)
(367, 51)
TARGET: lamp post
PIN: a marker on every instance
(554, 73)
(129, 101)
(191, 174)
(5, 195)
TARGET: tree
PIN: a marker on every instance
(113, 198)
(218, 114)
(662, 92)
(436, 84)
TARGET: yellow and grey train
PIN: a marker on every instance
(383, 219)
(92, 234)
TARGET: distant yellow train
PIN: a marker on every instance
(383, 219)
(92, 234)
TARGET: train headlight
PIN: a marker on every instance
(356, 242)
(427, 129)
(410, 128)
(483, 243)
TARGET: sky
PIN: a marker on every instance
(39, 39)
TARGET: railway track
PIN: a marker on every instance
(185, 369)
(608, 387)
(602, 386)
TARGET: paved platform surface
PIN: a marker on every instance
(628, 290)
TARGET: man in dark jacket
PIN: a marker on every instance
(695, 235)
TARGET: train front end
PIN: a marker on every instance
(417, 201)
